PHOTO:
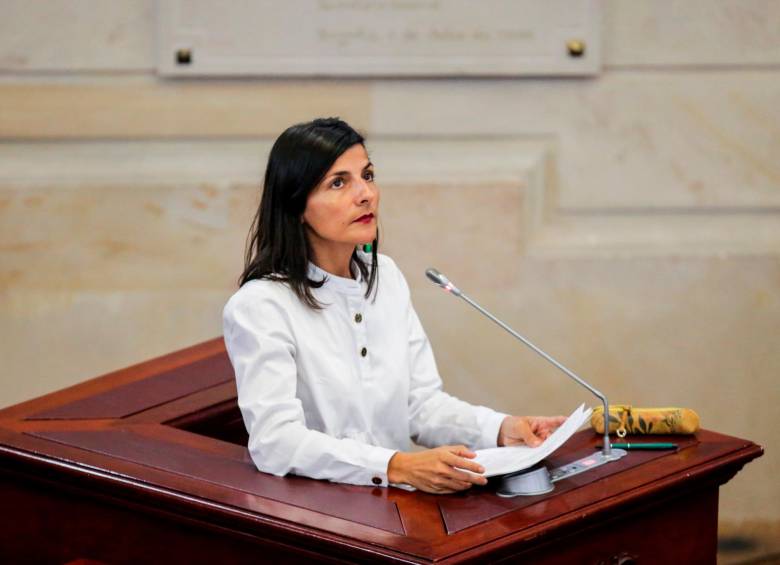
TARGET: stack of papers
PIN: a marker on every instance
(504, 460)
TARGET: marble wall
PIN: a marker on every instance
(627, 223)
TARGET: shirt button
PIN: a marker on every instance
(358, 317)
(363, 352)
(376, 481)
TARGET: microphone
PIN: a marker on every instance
(445, 283)
(442, 281)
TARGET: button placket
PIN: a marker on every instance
(358, 322)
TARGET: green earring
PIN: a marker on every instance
(366, 247)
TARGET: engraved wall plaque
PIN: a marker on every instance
(379, 38)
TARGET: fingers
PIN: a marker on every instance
(454, 485)
(544, 426)
(526, 433)
(435, 470)
(461, 450)
(441, 489)
(458, 467)
(444, 481)
(470, 478)
(461, 463)
(454, 480)
(454, 469)
(552, 422)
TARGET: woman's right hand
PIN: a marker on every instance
(433, 470)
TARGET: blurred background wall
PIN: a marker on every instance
(628, 223)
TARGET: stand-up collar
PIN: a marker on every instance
(338, 284)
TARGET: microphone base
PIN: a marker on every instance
(531, 482)
(539, 480)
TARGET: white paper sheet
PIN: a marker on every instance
(503, 460)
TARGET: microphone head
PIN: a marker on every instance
(436, 276)
(442, 281)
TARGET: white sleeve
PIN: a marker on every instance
(262, 350)
(437, 418)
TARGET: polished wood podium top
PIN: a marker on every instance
(166, 436)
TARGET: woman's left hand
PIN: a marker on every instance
(528, 430)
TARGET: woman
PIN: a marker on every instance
(335, 374)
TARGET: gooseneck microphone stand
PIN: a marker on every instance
(608, 453)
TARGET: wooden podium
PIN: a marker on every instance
(149, 465)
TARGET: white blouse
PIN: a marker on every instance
(334, 393)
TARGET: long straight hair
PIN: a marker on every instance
(277, 247)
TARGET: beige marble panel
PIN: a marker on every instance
(75, 164)
(131, 238)
(130, 109)
(629, 140)
(123, 238)
(50, 339)
(441, 160)
(444, 227)
(691, 33)
(99, 276)
(76, 35)
(640, 233)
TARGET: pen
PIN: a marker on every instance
(643, 445)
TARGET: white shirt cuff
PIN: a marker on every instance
(489, 424)
(377, 459)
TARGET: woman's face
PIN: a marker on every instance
(342, 210)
